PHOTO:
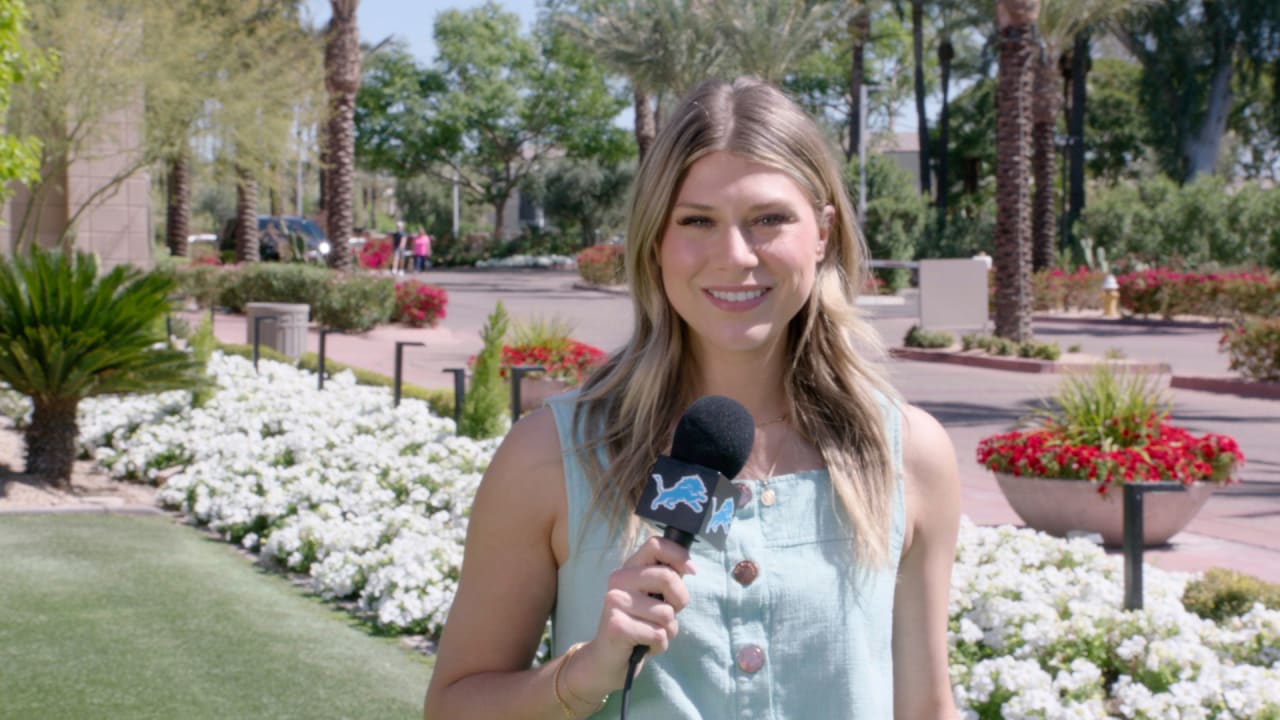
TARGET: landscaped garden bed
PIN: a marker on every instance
(372, 502)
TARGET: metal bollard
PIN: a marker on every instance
(320, 364)
(517, 375)
(459, 392)
(400, 346)
(1133, 545)
(257, 332)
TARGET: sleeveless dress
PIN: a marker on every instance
(780, 624)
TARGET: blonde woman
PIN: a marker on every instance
(830, 600)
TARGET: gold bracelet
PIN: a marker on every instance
(555, 682)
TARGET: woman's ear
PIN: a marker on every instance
(825, 219)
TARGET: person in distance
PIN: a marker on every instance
(830, 600)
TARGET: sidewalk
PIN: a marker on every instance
(1239, 528)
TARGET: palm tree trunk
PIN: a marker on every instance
(1046, 105)
(946, 53)
(178, 212)
(51, 439)
(1075, 132)
(342, 80)
(1013, 175)
(922, 124)
(246, 217)
(860, 31)
(646, 121)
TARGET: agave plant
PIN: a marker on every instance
(67, 334)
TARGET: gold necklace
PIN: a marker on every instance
(767, 496)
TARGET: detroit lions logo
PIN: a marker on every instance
(721, 516)
(688, 490)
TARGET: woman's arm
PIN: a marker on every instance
(516, 541)
(922, 683)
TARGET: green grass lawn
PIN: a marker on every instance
(107, 616)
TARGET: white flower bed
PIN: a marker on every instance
(372, 502)
(530, 261)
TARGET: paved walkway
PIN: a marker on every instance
(1239, 528)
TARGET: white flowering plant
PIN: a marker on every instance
(372, 501)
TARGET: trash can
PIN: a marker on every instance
(287, 334)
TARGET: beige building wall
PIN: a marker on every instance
(114, 225)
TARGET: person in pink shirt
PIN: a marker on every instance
(421, 250)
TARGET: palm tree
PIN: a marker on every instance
(1060, 22)
(1015, 22)
(860, 34)
(661, 46)
(66, 334)
(342, 80)
(178, 204)
(767, 38)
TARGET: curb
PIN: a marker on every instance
(1228, 386)
(1220, 385)
(1013, 364)
(1130, 322)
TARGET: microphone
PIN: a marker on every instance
(689, 493)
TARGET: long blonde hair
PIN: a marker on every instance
(627, 408)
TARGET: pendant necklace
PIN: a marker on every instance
(767, 496)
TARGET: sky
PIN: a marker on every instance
(413, 20)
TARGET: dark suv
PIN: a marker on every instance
(282, 237)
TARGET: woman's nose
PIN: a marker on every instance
(737, 247)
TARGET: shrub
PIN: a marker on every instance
(201, 282)
(1253, 346)
(1056, 289)
(603, 264)
(484, 404)
(1039, 350)
(1167, 293)
(354, 302)
(376, 254)
(916, 337)
(570, 361)
(273, 282)
(1221, 593)
(989, 343)
(418, 304)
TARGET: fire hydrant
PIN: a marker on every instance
(1110, 296)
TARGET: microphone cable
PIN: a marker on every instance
(637, 654)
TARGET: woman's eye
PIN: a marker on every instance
(694, 221)
(773, 219)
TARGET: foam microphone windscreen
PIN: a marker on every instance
(715, 432)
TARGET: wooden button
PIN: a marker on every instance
(768, 498)
(745, 572)
(750, 659)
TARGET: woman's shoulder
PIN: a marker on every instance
(928, 456)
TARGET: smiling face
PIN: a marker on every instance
(739, 254)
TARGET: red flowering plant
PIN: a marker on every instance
(547, 343)
(375, 254)
(419, 304)
(1109, 427)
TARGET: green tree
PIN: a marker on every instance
(584, 195)
(67, 334)
(512, 103)
(19, 156)
(483, 406)
(1196, 57)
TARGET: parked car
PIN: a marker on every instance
(282, 237)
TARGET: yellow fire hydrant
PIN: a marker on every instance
(1110, 296)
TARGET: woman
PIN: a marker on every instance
(831, 598)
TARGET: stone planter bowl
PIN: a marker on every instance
(1063, 507)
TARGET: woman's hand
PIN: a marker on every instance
(640, 608)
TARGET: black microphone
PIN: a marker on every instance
(689, 493)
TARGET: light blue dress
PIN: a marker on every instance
(780, 625)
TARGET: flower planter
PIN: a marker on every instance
(1059, 507)
(535, 390)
